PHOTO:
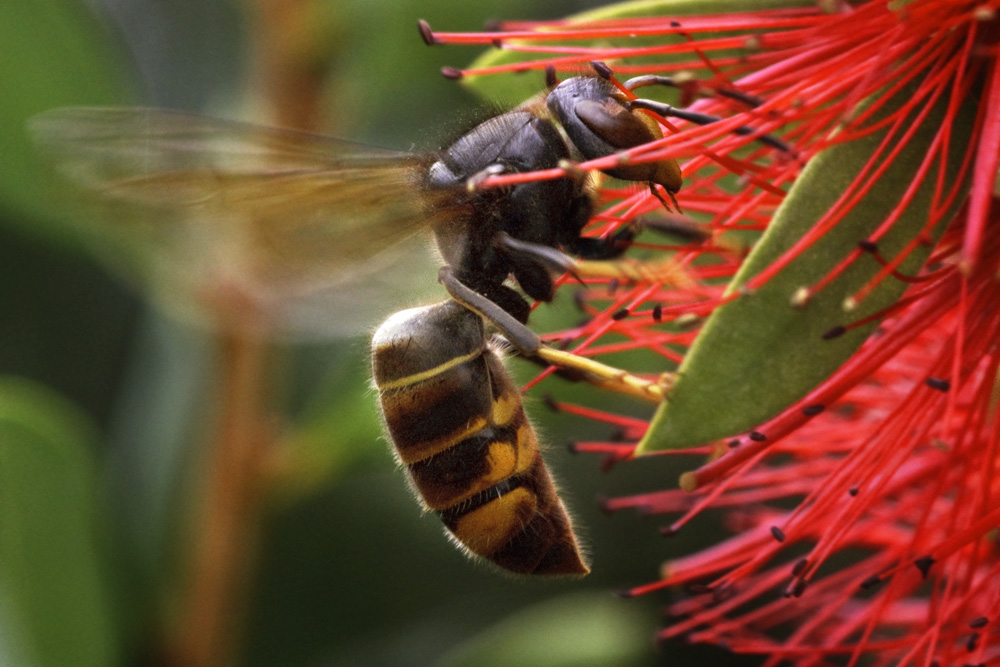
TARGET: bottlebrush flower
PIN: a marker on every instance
(842, 375)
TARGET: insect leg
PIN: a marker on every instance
(609, 247)
(625, 270)
(528, 344)
(521, 337)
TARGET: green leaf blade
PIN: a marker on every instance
(582, 629)
(54, 53)
(54, 604)
(758, 354)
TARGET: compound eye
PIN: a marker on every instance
(613, 123)
(619, 128)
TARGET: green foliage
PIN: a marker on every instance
(758, 354)
(348, 568)
(54, 54)
(54, 604)
(575, 630)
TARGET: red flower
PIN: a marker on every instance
(846, 380)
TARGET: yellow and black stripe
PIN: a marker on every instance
(458, 425)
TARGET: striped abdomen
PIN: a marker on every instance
(456, 420)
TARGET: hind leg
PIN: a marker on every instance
(529, 345)
(624, 270)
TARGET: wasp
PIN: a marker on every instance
(293, 217)
(451, 409)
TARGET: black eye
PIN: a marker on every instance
(613, 123)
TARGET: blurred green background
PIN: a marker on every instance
(103, 401)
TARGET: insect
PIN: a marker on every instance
(451, 409)
(291, 219)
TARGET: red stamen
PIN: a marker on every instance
(892, 460)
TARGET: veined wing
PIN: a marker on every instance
(283, 214)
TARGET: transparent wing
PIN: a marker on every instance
(194, 205)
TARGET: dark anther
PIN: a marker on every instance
(797, 589)
(813, 410)
(868, 246)
(778, 534)
(601, 69)
(757, 436)
(924, 564)
(426, 33)
(451, 73)
(938, 383)
(620, 315)
(550, 76)
(835, 332)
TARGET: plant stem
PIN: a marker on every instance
(226, 528)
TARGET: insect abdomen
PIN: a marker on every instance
(458, 425)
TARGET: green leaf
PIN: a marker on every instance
(54, 607)
(581, 630)
(54, 53)
(758, 354)
(514, 87)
